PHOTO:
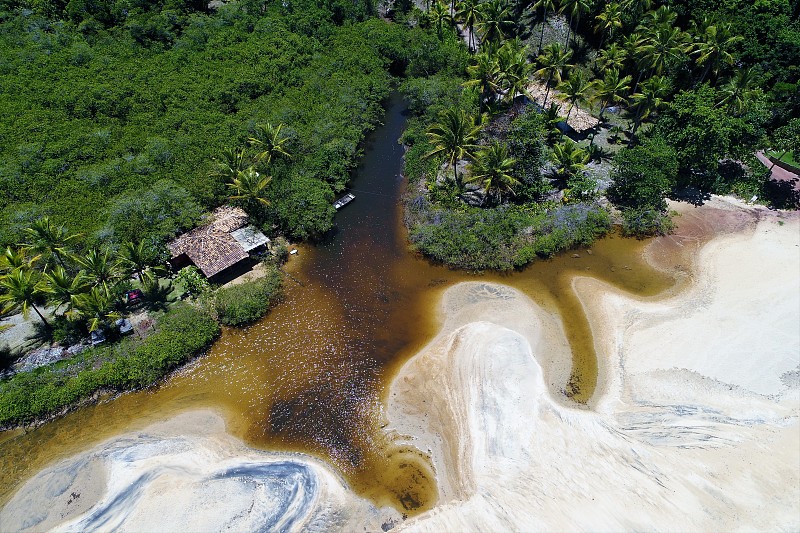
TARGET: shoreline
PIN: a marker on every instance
(656, 446)
(507, 451)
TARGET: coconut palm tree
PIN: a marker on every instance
(651, 97)
(575, 8)
(552, 119)
(13, 258)
(21, 289)
(569, 159)
(453, 137)
(62, 287)
(612, 57)
(269, 142)
(469, 13)
(553, 64)
(229, 163)
(514, 69)
(101, 269)
(610, 89)
(45, 238)
(495, 19)
(608, 19)
(663, 16)
(712, 46)
(441, 17)
(545, 6)
(663, 45)
(739, 91)
(485, 75)
(96, 306)
(250, 187)
(576, 89)
(492, 169)
(135, 260)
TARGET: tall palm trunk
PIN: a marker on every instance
(569, 30)
(544, 21)
(46, 323)
(547, 91)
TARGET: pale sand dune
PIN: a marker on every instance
(697, 427)
(187, 474)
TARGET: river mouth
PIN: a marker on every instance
(311, 376)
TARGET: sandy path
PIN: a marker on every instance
(697, 427)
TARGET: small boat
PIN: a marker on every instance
(343, 201)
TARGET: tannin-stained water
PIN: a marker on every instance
(309, 376)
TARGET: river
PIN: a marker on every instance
(310, 376)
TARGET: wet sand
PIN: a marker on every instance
(694, 426)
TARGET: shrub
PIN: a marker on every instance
(645, 222)
(132, 363)
(242, 304)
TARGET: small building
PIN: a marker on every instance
(222, 242)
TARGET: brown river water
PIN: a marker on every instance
(310, 376)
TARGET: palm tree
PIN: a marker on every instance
(484, 74)
(553, 62)
(739, 91)
(552, 119)
(453, 137)
(470, 14)
(441, 17)
(251, 187)
(612, 57)
(575, 8)
(576, 88)
(712, 46)
(492, 169)
(62, 287)
(664, 16)
(663, 46)
(649, 99)
(495, 19)
(514, 69)
(610, 89)
(229, 163)
(16, 258)
(637, 6)
(96, 306)
(21, 289)
(268, 140)
(135, 260)
(44, 237)
(101, 271)
(569, 159)
(607, 20)
(545, 5)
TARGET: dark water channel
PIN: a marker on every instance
(309, 377)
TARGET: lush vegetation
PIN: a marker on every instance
(244, 303)
(115, 112)
(685, 93)
(179, 335)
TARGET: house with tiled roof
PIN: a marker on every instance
(223, 241)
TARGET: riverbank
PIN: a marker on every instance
(668, 442)
(696, 422)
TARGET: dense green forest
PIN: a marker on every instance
(684, 92)
(115, 112)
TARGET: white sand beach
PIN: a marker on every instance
(695, 425)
